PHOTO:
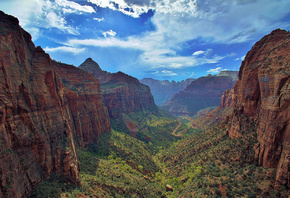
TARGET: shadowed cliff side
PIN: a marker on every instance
(202, 93)
(163, 90)
(121, 93)
(37, 120)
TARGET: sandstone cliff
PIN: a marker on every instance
(84, 98)
(202, 93)
(38, 120)
(163, 90)
(262, 93)
(121, 93)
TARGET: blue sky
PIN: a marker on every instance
(162, 39)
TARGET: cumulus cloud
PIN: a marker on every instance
(179, 21)
(224, 21)
(176, 22)
(109, 33)
(36, 14)
(216, 70)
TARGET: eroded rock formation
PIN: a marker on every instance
(263, 94)
(202, 93)
(121, 93)
(38, 120)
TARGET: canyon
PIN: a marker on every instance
(56, 118)
(121, 93)
(163, 90)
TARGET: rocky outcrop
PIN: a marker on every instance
(163, 90)
(37, 118)
(202, 93)
(262, 93)
(121, 93)
(84, 98)
(91, 66)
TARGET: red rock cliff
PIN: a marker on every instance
(37, 120)
(121, 93)
(83, 92)
(263, 94)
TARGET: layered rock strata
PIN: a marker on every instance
(202, 93)
(121, 93)
(38, 122)
(263, 94)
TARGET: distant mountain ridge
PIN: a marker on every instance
(202, 93)
(121, 93)
(163, 90)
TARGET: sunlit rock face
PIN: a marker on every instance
(263, 94)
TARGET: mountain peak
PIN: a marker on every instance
(89, 62)
(89, 59)
(91, 66)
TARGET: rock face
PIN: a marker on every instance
(263, 94)
(163, 90)
(202, 93)
(84, 98)
(121, 93)
(38, 120)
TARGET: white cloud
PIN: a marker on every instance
(74, 7)
(166, 73)
(240, 59)
(176, 22)
(99, 19)
(216, 70)
(197, 53)
(110, 33)
(65, 49)
(36, 14)
(131, 9)
(155, 52)
(224, 21)
(53, 20)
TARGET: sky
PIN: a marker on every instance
(161, 39)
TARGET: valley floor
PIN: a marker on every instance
(194, 163)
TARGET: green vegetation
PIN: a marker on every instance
(195, 164)
(125, 147)
(153, 127)
(113, 177)
(108, 87)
